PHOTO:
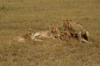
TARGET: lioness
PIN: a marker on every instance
(69, 39)
(28, 35)
(53, 32)
(75, 29)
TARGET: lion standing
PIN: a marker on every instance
(75, 29)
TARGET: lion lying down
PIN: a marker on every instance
(69, 39)
(28, 35)
(53, 32)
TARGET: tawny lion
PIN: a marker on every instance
(75, 29)
(28, 35)
(69, 39)
(53, 32)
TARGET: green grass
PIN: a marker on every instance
(18, 15)
(2, 7)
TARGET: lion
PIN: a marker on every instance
(75, 30)
(53, 32)
(69, 39)
(28, 35)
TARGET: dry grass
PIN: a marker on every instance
(18, 15)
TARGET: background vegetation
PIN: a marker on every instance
(18, 15)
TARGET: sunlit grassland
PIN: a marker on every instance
(18, 15)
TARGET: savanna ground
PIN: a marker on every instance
(18, 15)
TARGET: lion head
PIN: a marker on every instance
(65, 37)
(54, 30)
(66, 24)
(30, 31)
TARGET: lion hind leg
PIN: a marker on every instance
(79, 36)
(19, 39)
(22, 40)
(37, 34)
(86, 41)
(87, 35)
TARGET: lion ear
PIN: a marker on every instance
(49, 26)
(67, 20)
(27, 29)
(63, 22)
(70, 20)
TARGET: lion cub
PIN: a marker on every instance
(69, 39)
(75, 30)
(53, 32)
(28, 35)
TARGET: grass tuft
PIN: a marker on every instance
(2, 7)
